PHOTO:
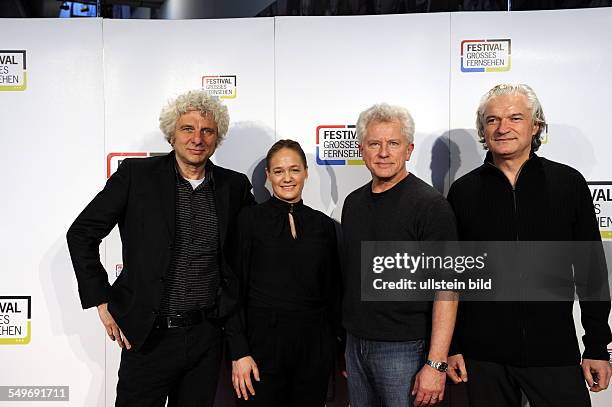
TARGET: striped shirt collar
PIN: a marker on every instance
(208, 174)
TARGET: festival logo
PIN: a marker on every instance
(337, 145)
(485, 55)
(222, 86)
(113, 160)
(15, 320)
(601, 192)
(13, 76)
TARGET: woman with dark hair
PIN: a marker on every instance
(282, 338)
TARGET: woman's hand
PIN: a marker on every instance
(241, 376)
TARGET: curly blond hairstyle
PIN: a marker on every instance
(194, 100)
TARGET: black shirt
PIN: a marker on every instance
(193, 278)
(411, 210)
(281, 272)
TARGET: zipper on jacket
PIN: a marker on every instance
(513, 189)
(521, 305)
(515, 215)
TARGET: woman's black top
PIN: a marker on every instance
(281, 272)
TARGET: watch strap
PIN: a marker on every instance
(439, 366)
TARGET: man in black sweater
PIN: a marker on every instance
(386, 353)
(531, 347)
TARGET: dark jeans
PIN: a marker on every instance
(493, 384)
(293, 352)
(181, 364)
(382, 373)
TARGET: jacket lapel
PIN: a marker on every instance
(221, 204)
(166, 179)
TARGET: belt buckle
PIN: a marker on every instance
(172, 323)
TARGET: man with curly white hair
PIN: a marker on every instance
(176, 215)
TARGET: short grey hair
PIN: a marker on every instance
(194, 100)
(386, 113)
(533, 103)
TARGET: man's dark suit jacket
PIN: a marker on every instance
(140, 198)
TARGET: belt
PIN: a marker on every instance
(182, 320)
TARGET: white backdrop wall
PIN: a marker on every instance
(52, 142)
(564, 57)
(95, 89)
(330, 69)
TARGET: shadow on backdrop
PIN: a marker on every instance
(244, 150)
(443, 167)
(466, 152)
(68, 318)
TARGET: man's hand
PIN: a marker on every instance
(241, 376)
(342, 365)
(112, 329)
(597, 374)
(428, 386)
(456, 369)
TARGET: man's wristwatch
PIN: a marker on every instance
(439, 366)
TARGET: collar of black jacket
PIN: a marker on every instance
(489, 157)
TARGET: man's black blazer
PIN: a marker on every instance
(140, 198)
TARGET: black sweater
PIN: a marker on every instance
(550, 202)
(410, 211)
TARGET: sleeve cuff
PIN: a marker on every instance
(238, 347)
(596, 353)
(93, 296)
(454, 349)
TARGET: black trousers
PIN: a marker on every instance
(493, 384)
(293, 352)
(180, 364)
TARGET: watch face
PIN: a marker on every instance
(439, 366)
